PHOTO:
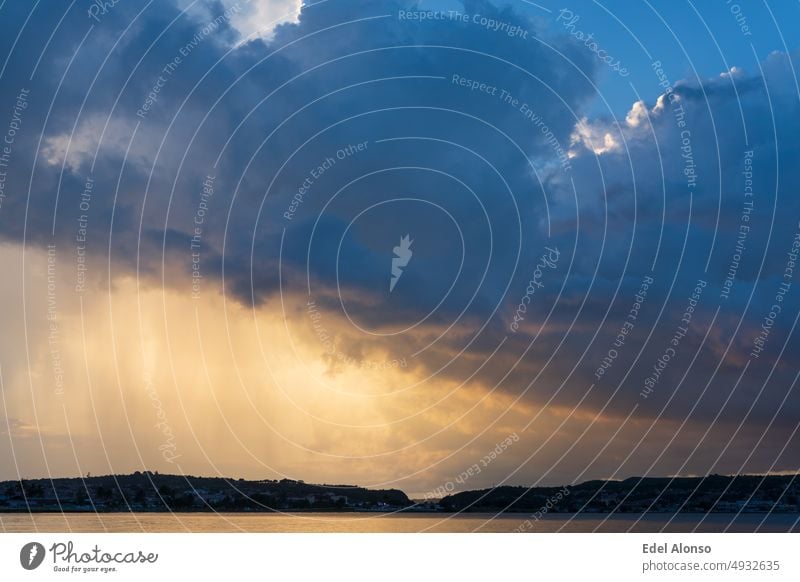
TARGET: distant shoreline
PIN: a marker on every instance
(148, 492)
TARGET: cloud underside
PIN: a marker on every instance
(248, 208)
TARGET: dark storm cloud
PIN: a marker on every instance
(491, 190)
(681, 231)
(349, 72)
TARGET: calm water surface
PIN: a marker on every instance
(421, 522)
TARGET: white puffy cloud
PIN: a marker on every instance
(597, 137)
(97, 131)
(260, 18)
(250, 18)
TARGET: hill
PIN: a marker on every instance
(714, 493)
(147, 491)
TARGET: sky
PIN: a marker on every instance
(367, 242)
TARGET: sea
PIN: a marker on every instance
(395, 523)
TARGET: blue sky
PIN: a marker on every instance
(691, 39)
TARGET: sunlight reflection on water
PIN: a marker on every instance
(353, 523)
